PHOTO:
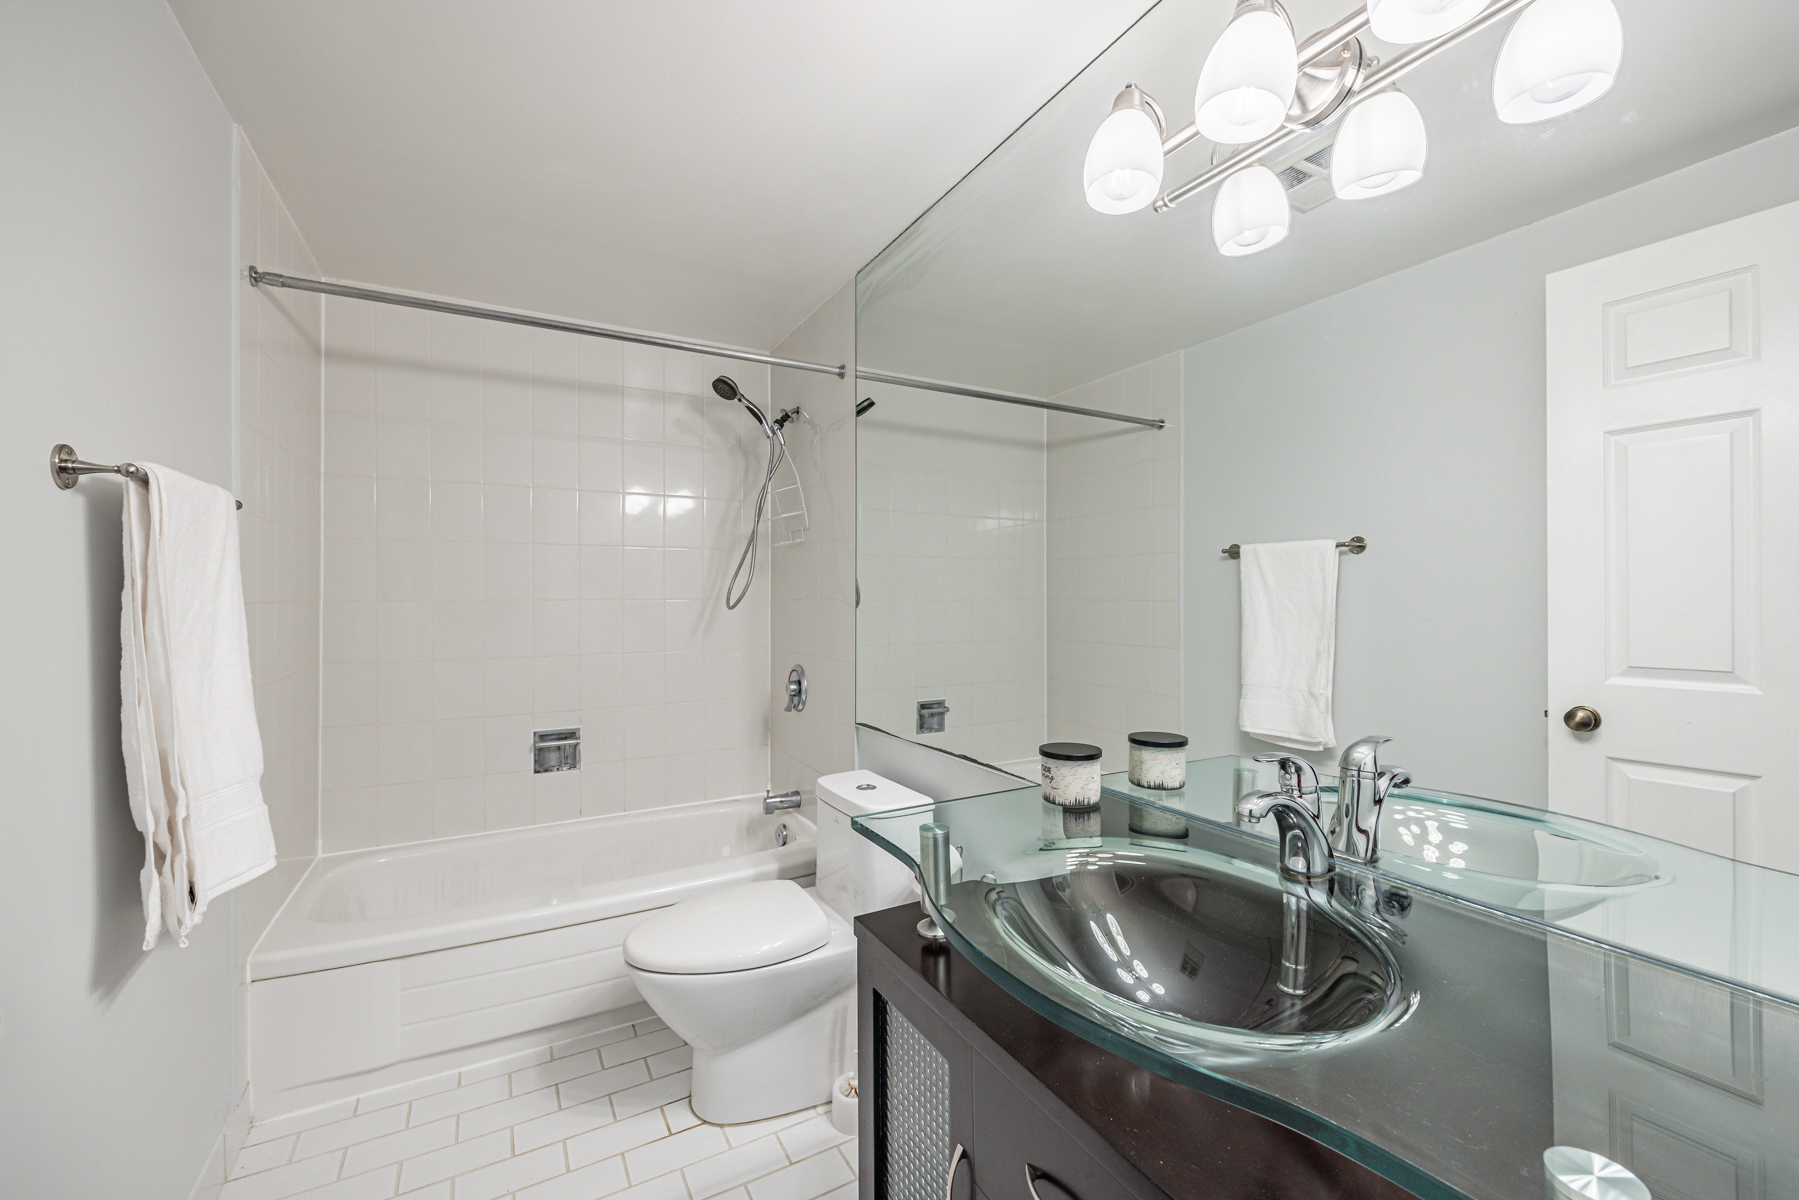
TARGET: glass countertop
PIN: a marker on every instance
(1693, 910)
(1441, 1042)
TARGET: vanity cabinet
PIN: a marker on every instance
(948, 1059)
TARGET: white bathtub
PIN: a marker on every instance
(392, 964)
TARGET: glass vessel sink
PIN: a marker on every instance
(1187, 946)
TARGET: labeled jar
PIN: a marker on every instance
(1159, 760)
(1070, 773)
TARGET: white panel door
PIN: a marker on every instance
(1673, 375)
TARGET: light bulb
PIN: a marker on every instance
(1247, 84)
(1404, 22)
(1250, 212)
(1380, 148)
(1559, 56)
(1124, 160)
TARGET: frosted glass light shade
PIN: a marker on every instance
(1560, 55)
(1250, 213)
(1124, 162)
(1404, 22)
(1380, 148)
(1247, 83)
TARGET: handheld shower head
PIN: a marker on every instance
(727, 388)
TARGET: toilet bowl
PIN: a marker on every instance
(760, 979)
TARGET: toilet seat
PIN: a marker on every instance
(736, 929)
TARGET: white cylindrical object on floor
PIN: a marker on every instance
(843, 1104)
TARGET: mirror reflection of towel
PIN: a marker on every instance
(193, 753)
(1289, 603)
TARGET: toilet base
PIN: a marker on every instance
(783, 1071)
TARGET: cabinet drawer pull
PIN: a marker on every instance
(1032, 1174)
(949, 1181)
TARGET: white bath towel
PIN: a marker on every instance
(1289, 643)
(193, 754)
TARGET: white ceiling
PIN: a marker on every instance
(1012, 282)
(710, 169)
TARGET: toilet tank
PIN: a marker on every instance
(855, 875)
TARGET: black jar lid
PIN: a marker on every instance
(1159, 741)
(1069, 751)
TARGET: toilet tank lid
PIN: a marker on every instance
(736, 929)
(858, 792)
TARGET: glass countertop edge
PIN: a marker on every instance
(1382, 1161)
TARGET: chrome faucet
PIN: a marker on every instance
(1299, 779)
(1304, 850)
(1362, 787)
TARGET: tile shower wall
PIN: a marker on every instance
(951, 550)
(278, 441)
(1114, 578)
(529, 530)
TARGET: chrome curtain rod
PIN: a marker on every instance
(931, 385)
(259, 278)
(1387, 73)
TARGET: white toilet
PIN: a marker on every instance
(760, 979)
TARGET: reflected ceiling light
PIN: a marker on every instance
(1250, 213)
(1380, 148)
(1124, 159)
(1405, 22)
(1247, 83)
(1559, 56)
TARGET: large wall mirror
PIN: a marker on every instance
(1554, 383)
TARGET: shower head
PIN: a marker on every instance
(862, 408)
(727, 389)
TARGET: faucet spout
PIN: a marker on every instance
(1304, 850)
(1362, 788)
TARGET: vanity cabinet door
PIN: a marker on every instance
(1026, 1154)
(916, 1126)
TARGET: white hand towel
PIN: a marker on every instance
(193, 753)
(1289, 643)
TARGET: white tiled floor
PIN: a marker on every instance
(603, 1115)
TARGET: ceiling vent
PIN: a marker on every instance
(1306, 174)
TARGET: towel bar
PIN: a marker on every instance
(1354, 545)
(66, 468)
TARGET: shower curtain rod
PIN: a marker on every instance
(931, 385)
(259, 278)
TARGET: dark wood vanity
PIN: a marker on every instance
(1039, 1113)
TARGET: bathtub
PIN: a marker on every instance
(388, 965)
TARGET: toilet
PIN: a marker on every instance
(760, 979)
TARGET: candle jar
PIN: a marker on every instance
(1159, 761)
(1070, 774)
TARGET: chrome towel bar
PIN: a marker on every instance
(67, 468)
(1354, 545)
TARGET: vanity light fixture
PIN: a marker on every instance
(1251, 212)
(1258, 92)
(1246, 85)
(1407, 22)
(1124, 160)
(1560, 56)
(1380, 148)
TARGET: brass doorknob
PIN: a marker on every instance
(1581, 719)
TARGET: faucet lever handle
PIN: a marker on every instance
(1299, 778)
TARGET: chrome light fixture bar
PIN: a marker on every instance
(1328, 40)
(260, 278)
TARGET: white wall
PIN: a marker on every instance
(116, 1066)
(814, 581)
(530, 530)
(1410, 411)
(950, 545)
(1113, 650)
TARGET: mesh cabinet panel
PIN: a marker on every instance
(912, 1122)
